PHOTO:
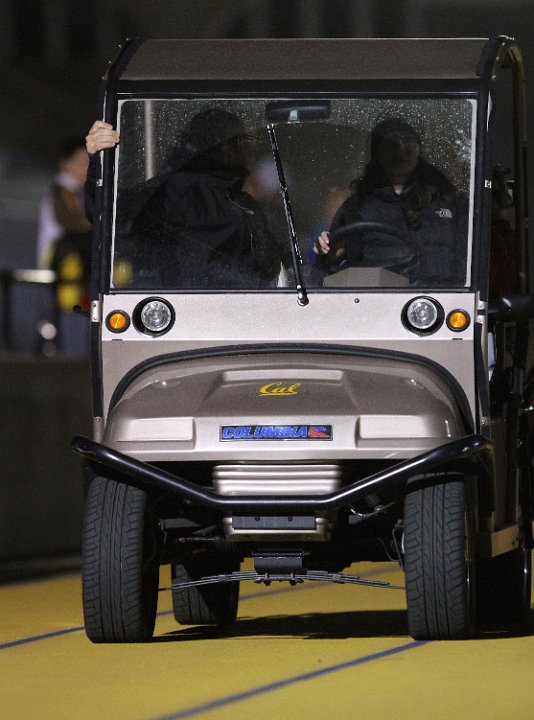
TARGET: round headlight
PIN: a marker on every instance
(423, 315)
(155, 316)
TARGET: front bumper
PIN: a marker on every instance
(472, 455)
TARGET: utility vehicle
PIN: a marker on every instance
(320, 418)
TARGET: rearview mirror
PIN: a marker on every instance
(287, 111)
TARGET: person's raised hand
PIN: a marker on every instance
(101, 136)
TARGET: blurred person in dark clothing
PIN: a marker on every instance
(64, 245)
(62, 208)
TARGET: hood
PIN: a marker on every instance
(270, 407)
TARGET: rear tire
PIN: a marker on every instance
(120, 564)
(215, 604)
(439, 536)
(505, 580)
(505, 584)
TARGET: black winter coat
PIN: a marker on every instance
(438, 247)
(218, 233)
(194, 229)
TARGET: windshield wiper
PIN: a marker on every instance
(296, 257)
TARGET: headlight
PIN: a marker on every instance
(423, 315)
(154, 316)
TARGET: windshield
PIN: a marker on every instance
(241, 194)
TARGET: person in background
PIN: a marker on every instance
(64, 246)
(62, 207)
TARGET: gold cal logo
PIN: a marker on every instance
(276, 388)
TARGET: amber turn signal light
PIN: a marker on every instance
(458, 320)
(117, 321)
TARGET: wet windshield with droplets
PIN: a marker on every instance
(199, 207)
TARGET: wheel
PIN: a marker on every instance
(439, 559)
(120, 564)
(505, 582)
(505, 586)
(205, 604)
(361, 226)
(397, 253)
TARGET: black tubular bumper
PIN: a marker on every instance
(472, 454)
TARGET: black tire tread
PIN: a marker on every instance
(438, 595)
(119, 605)
(215, 604)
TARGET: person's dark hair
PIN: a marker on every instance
(205, 131)
(420, 185)
(388, 126)
(69, 146)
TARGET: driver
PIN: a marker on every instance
(401, 189)
(199, 228)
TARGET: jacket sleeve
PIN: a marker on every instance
(90, 187)
(342, 250)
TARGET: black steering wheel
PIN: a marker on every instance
(360, 229)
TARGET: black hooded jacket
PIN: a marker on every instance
(198, 229)
(432, 254)
(429, 218)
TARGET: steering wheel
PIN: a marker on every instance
(357, 229)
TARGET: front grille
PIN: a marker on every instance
(267, 479)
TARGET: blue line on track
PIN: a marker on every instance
(242, 598)
(280, 684)
(35, 638)
(67, 631)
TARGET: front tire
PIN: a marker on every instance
(439, 538)
(120, 564)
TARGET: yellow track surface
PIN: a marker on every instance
(313, 651)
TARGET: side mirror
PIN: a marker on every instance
(503, 188)
(514, 307)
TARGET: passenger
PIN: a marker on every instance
(203, 229)
(401, 189)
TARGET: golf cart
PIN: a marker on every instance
(310, 418)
